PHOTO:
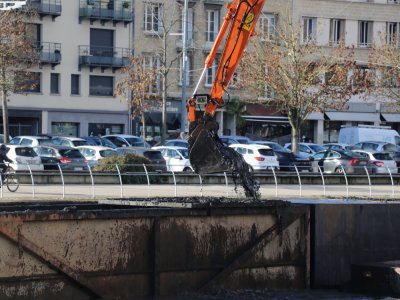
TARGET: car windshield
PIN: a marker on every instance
(316, 148)
(107, 153)
(71, 153)
(390, 147)
(80, 143)
(266, 152)
(184, 152)
(44, 142)
(352, 154)
(382, 156)
(25, 151)
(152, 155)
(137, 142)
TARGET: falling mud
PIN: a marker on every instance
(209, 155)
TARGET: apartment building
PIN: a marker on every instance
(82, 45)
(357, 23)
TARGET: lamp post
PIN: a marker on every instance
(184, 67)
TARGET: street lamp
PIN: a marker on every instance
(184, 67)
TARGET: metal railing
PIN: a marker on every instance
(46, 7)
(94, 56)
(144, 182)
(114, 10)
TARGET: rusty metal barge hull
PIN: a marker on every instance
(86, 250)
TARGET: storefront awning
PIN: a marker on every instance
(392, 118)
(353, 116)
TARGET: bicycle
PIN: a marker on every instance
(10, 179)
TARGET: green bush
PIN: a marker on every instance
(129, 163)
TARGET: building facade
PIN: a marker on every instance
(359, 24)
(82, 44)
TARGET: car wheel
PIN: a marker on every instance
(187, 170)
(339, 170)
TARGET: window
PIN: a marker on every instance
(336, 32)
(309, 29)
(394, 1)
(27, 82)
(65, 128)
(392, 33)
(152, 17)
(364, 34)
(189, 27)
(151, 62)
(75, 84)
(212, 25)
(211, 72)
(54, 83)
(188, 70)
(267, 27)
(101, 85)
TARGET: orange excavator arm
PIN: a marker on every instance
(237, 28)
(206, 151)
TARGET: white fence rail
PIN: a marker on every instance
(143, 182)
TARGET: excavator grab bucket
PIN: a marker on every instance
(208, 154)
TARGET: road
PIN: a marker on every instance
(102, 191)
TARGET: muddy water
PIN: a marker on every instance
(209, 155)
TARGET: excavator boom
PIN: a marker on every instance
(206, 151)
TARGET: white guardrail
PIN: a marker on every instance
(124, 179)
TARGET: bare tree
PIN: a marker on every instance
(303, 76)
(385, 58)
(17, 53)
(168, 20)
(135, 88)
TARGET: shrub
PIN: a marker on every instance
(129, 163)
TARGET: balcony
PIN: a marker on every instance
(103, 57)
(49, 53)
(106, 10)
(46, 7)
(215, 2)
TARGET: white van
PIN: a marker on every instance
(356, 134)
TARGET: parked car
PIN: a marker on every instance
(337, 146)
(22, 156)
(68, 158)
(69, 141)
(94, 153)
(155, 156)
(376, 146)
(177, 158)
(235, 139)
(177, 142)
(288, 160)
(99, 141)
(258, 157)
(274, 146)
(334, 161)
(125, 140)
(31, 141)
(381, 162)
(305, 149)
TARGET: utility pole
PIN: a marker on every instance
(184, 67)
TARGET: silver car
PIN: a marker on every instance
(337, 161)
(381, 162)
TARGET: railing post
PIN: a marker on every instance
(276, 182)
(1, 185)
(298, 176)
(369, 182)
(33, 182)
(91, 178)
(347, 182)
(120, 181)
(391, 179)
(173, 175)
(226, 184)
(62, 180)
(323, 179)
(201, 186)
(148, 180)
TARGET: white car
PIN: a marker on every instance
(305, 149)
(23, 156)
(126, 140)
(259, 157)
(177, 158)
(32, 141)
(69, 141)
(94, 153)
